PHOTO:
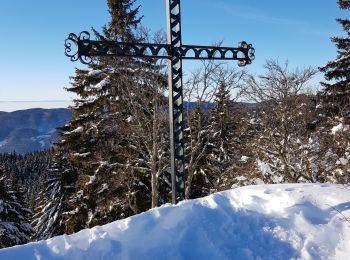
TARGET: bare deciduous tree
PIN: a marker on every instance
(284, 114)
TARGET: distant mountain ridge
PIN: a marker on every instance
(30, 130)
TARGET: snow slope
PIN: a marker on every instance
(298, 221)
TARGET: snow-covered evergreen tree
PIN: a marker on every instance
(14, 215)
(222, 127)
(28, 168)
(331, 159)
(334, 109)
(197, 145)
(336, 93)
(109, 141)
(92, 140)
(53, 205)
(38, 205)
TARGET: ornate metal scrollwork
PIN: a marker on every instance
(71, 41)
(76, 47)
(247, 51)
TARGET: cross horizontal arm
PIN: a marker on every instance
(83, 49)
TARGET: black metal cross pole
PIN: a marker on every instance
(80, 47)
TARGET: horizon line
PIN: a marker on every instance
(33, 101)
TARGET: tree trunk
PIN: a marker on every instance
(189, 184)
(155, 188)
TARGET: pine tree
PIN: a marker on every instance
(220, 156)
(196, 151)
(53, 202)
(336, 93)
(38, 204)
(222, 124)
(14, 216)
(99, 141)
(124, 20)
(27, 168)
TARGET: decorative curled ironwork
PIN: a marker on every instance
(248, 54)
(76, 47)
(71, 40)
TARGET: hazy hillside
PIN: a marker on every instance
(30, 130)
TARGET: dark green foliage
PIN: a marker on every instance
(222, 138)
(336, 94)
(222, 125)
(124, 19)
(344, 4)
(14, 215)
(97, 142)
(197, 136)
(27, 168)
(52, 202)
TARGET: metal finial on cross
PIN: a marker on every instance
(175, 52)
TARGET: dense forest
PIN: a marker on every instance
(112, 157)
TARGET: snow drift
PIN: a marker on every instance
(304, 221)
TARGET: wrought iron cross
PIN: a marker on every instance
(175, 52)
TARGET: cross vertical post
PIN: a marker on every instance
(177, 160)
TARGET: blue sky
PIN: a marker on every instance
(33, 66)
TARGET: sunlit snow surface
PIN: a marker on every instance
(300, 221)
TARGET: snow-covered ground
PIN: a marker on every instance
(298, 221)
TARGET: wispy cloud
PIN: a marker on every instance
(259, 16)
